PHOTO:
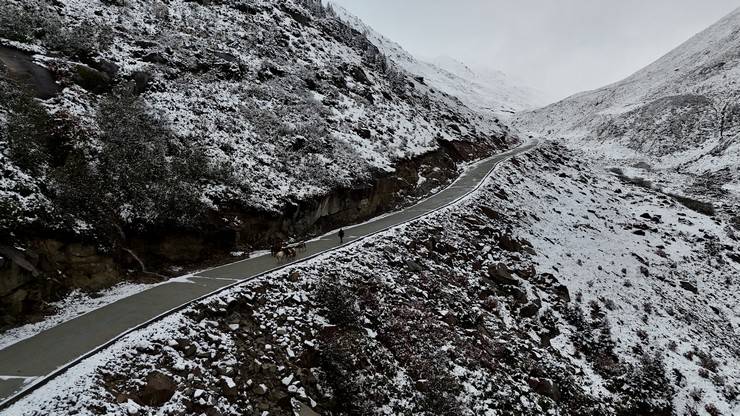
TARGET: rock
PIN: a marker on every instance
(529, 310)
(260, 390)
(92, 80)
(500, 274)
(188, 349)
(414, 266)
(527, 273)
(545, 387)
(14, 302)
(141, 81)
(690, 287)
(490, 213)
(305, 410)
(108, 67)
(179, 249)
(158, 390)
(364, 133)
(519, 295)
(155, 58)
(514, 245)
(561, 291)
(229, 387)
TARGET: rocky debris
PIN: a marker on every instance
(491, 213)
(512, 244)
(414, 266)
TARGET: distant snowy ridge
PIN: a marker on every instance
(481, 89)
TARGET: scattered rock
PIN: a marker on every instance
(414, 266)
(529, 310)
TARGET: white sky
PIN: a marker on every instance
(558, 46)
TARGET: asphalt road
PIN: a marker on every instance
(36, 358)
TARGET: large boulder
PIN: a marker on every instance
(545, 387)
(500, 274)
(158, 390)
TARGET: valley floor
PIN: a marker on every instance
(556, 289)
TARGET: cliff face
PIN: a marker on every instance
(173, 133)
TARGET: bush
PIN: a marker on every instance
(140, 176)
(645, 388)
(339, 302)
(29, 129)
(82, 41)
(17, 23)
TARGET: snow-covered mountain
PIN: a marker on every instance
(486, 90)
(686, 101)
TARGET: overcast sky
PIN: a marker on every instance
(558, 46)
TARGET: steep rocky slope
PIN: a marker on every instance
(484, 90)
(139, 135)
(535, 296)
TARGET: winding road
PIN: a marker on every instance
(32, 362)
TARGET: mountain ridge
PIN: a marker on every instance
(497, 95)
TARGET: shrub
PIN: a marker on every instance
(17, 23)
(139, 176)
(712, 409)
(645, 388)
(82, 41)
(29, 129)
(339, 302)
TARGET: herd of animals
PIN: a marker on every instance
(284, 252)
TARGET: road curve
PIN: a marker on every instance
(31, 363)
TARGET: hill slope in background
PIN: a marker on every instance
(678, 118)
(484, 90)
(685, 100)
(168, 127)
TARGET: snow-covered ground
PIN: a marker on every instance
(678, 114)
(665, 276)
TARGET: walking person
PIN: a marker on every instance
(341, 236)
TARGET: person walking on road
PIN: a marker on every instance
(341, 236)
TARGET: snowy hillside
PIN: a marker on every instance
(485, 90)
(186, 130)
(685, 100)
